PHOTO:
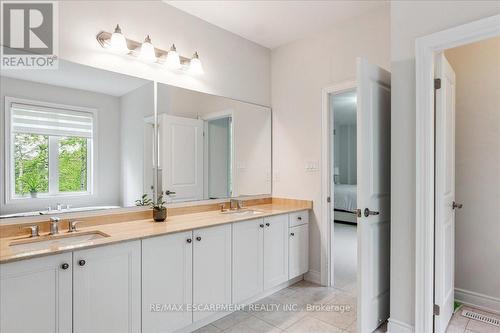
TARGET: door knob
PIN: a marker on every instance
(370, 212)
(457, 205)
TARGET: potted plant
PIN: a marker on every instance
(159, 210)
(32, 185)
(143, 201)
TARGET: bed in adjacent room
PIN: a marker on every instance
(345, 202)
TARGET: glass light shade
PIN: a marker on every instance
(147, 51)
(195, 66)
(118, 44)
(173, 60)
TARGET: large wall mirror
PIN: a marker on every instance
(212, 147)
(83, 139)
(76, 138)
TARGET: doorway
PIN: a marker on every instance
(371, 216)
(435, 177)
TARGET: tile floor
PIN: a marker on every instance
(343, 320)
(460, 324)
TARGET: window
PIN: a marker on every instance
(51, 149)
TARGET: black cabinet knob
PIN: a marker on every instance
(189, 240)
(292, 234)
(268, 224)
(261, 225)
(65, 266)
(198, 238)
(81, 262)
(299, 218)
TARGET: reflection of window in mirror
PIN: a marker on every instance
(51, 149)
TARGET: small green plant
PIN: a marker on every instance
(159, 205)
(31, 182)
(144, 201)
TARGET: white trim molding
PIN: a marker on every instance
(396, 326)
(477, 300)
(426, 48)
(325, 227)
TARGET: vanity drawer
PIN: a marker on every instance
(298, 218)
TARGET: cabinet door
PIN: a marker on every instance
(107, 289)
(35, 295)
(275, 250)
(248, 260)
(299, 251)
(167, 279)
(211, 268)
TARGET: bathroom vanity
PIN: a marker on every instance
(142, 276)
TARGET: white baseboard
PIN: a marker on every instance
(396, 326)
(477, 300)
(313, 276)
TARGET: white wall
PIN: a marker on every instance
(234, 67)
(136, 144)
(299, 72)
(409, 20)
(477, 177)
(107, 182)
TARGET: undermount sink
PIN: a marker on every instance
(242, 212)
(48, 242)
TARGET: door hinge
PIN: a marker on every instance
(437, 310)
(328, 199)
(437, 83)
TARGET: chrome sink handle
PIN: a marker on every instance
(72, 225)
(35, 230)
(54, 225)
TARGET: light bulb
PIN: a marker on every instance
(195, 64)
(173, 61)
(118, 43)
(147, 53)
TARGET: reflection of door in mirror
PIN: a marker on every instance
(75, 140)
(218, 138)
(212, 147)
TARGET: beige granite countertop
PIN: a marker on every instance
(140, 229)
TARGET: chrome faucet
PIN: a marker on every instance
(54, 225)
(235, 204)
(72, 225)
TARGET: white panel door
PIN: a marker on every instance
(211, 268)
(248, 259)
(181, 151)
(107, 289)
(275, 250)
(298, 251)
(374, 185)
(167, 279)
(445, 193)
(35, 295)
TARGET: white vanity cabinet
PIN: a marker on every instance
(167, 278)
(35, 295)
(275, 250)
(211, 268)
(107, 289)
(298, 244)
(248, 259)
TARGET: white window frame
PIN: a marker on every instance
(10, 196)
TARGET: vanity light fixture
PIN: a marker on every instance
(147, 52)
(195, 66)
(116, 42)
(173, 60)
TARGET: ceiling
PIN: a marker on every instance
(72, 75)
(275, 23)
